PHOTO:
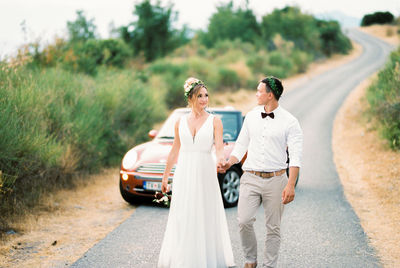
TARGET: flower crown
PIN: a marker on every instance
(190, 85)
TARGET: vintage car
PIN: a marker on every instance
(143, 166)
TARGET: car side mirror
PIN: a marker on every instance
(153, 133)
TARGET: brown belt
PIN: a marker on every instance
(267, 174)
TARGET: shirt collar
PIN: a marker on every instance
(277, 109)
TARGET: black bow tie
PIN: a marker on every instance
(263, 115)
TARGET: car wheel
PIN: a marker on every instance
(128, 197)
(229, 184)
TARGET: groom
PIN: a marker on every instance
(268, 130)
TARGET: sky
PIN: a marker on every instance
(44, 19)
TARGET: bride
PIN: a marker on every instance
(197, 233)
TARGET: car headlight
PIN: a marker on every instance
(129, 159)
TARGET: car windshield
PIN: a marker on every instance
(230, 122)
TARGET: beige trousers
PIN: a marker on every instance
(255, 191)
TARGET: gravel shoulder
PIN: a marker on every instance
(72, 221)
(369, 170)
(67, 224)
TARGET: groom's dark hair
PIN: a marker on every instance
(273, 85)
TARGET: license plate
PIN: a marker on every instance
(151, 185)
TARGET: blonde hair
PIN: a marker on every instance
(192, 87)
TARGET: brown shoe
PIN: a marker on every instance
(250, 265)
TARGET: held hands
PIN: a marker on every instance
(223, 166)
(220, 163)
(165, 188)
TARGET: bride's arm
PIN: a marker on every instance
(219, 143)
(172, 157)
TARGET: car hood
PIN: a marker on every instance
(154, 152)
(158, 151)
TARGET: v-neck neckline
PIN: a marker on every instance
(190, 132)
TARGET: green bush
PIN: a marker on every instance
(333, 40)
(174, 93)
(93, 53)
(227, 79)
(276, 63)
(114, 52)
(377, 18)
(230, 24)
(165, 66)
(81, 29)
(276, 58)
(301, 60)
(274, 70)
(384, 99)
(256, 62)
(173, 76)
(316, 37)
(152, 33)
(292, 25)
(55, 124)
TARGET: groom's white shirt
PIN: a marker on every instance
(266, 139)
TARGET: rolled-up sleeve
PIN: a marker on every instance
(242, 143)
(295, 144)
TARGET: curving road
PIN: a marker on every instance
(320, 228)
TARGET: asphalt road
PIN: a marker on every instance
(320, 228)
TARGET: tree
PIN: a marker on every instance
(333, 40)
(292, 25)
(152, 32)
(377, 18)
(81, 29)
(230, 24)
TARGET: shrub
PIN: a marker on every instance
(227, 79)
(301, 60)
(333, 40)
(152, 32)
(174, 93)
(256, 62)
(384, 99)
(306, 32)
(292, 25)
(81, 29)
(203, 69)
(230, 24)
(377, 18)
(87, 56)
(165, 66)
(114, 52)
(274, 63)
(276, 58)
(173, 76)
(55, 123)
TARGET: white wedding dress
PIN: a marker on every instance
(197, 232)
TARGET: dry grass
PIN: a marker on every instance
(387, 33)
(370, 174)
(244, 99)
(73, 220)
(368, 169)
(78, 218)
(241, 68)
(317, 68)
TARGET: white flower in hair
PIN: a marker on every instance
(190, 83)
